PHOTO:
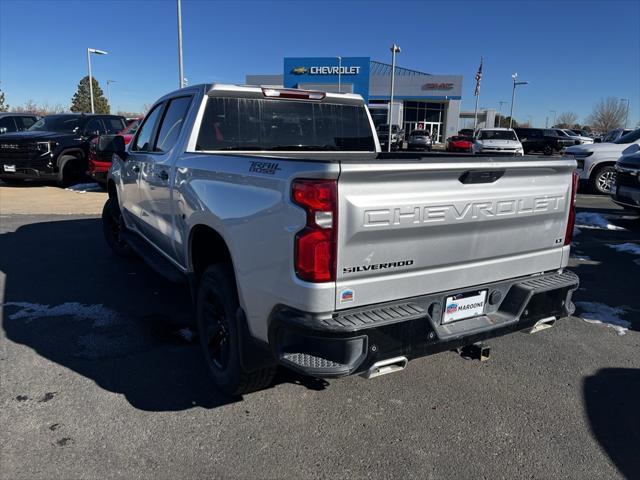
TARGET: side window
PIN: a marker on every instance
(172, 123)
(114, 125)
(25, 122)
(144, 141)
(94, 127)
(7, 125)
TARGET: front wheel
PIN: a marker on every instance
(113, 228)
(602, 179)
(548, 150)
(219, 335)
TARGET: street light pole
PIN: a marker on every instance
(500, 103)
(513, 95)
(339, 74)
(89, 52)
(626, 114)
(180, 64)
(554, 118)
(109, 82)
(394, 49)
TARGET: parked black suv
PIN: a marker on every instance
(625, 189)
(543, 140)
(16, 122)
(55, 147)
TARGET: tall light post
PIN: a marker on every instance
(626, 114)
(109, 82)
(180, 65)
(394, 49)
(554, 118)
(89, 52)
(500, 103)
(513, 95)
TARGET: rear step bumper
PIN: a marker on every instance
(355, 341)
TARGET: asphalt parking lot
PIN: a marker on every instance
(100, 377)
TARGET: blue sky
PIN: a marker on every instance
(572, 52)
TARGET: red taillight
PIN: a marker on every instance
(568, 236)
(315, 246)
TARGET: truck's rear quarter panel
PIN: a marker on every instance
(410, 228)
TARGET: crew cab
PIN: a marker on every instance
(305, 246)
(54, 148)
(542, 140)
(596, 161)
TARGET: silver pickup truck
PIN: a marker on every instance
(306, 247)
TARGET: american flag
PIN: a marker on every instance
(478, 78)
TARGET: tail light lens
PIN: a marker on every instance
(568, 236)
(315, 244)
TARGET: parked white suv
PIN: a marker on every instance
(503, 141)
(596, 162)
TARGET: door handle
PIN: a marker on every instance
(163, 175)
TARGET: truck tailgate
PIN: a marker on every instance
(411, 228)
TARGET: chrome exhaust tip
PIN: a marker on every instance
(383, 367)
(542, 324)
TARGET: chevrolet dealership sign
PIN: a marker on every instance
(325, 70)
(316, 72)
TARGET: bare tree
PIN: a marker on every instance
(43, 109)
(566, 120)
(607, 114)
(129, 114)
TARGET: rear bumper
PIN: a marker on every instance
(352, 341)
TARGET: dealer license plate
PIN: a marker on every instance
(464, 305)
(10, 168)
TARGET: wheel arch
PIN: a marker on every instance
(597, 166)
(207, 247)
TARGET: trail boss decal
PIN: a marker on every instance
(270, 168)
(377, 266)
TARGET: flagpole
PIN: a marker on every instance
(475, 115)
(477, 94)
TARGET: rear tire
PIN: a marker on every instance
(602, 178)
(113, 228)
(220, 337)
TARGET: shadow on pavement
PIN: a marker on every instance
(118, 324)
(110, 319)
(612, 403)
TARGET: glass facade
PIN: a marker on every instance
(429, 116)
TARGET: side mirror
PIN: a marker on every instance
(112, 144)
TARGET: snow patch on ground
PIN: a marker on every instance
(99, 314)
(581, 258)
(595, 312)
(626, 247)
(594, 221)
(84, 188)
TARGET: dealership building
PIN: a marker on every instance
(420, 101)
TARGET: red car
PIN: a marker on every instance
(459, 143)
(98, 167)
